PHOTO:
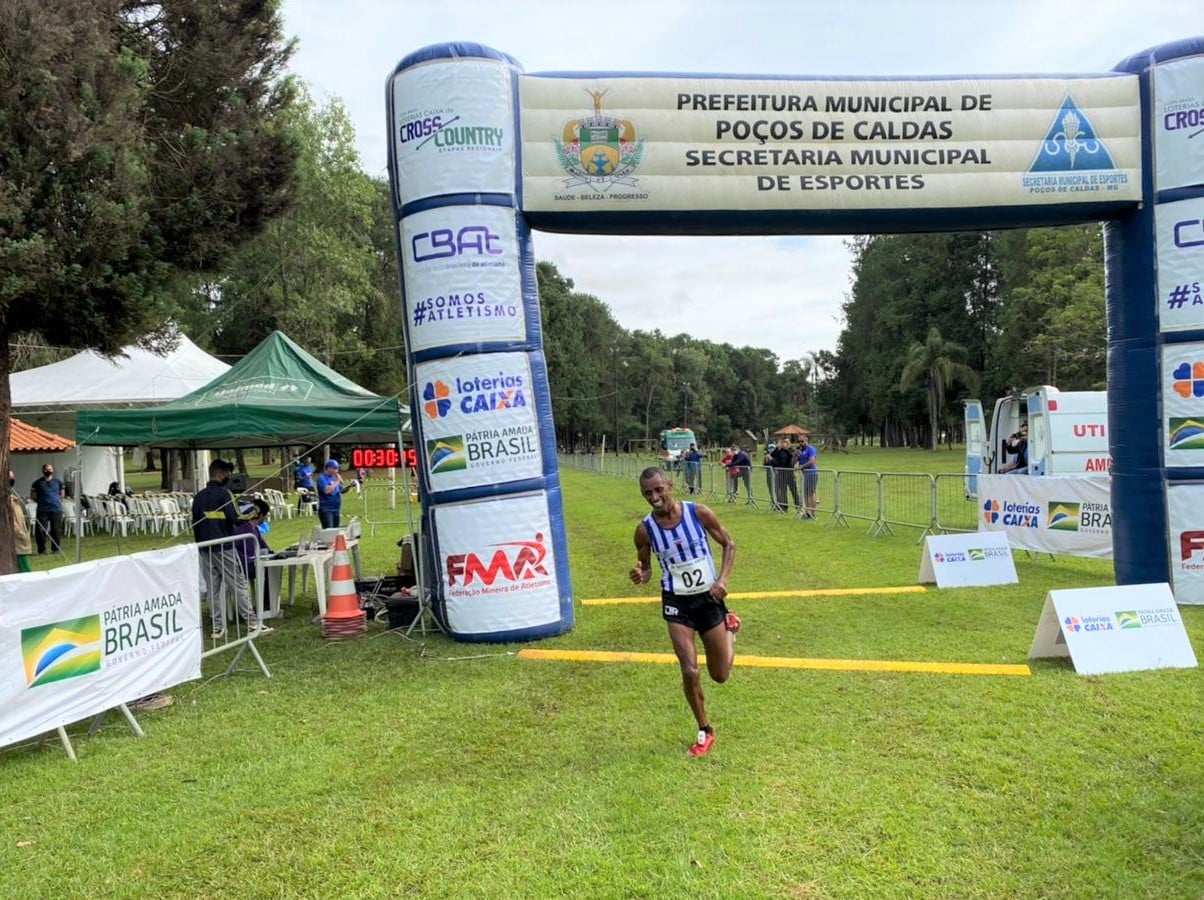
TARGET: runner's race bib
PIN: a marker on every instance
(693, 576)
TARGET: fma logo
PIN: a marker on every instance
(61, 650)
(1189, 380)
(513, 562)
(1063, 516)
(1071, 145)
(990, 512)
(1190, 543)
(436, 395)
(446, 454)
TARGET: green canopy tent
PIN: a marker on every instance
(277, 394)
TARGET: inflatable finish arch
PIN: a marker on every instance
(480, 153)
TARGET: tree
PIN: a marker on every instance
(938, 363)
(138, 140)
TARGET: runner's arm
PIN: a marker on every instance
(642, 572)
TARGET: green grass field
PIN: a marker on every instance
(383, 767)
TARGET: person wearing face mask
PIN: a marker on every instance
(48, 493)
(21, 539)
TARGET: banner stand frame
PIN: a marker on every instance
(93, 727)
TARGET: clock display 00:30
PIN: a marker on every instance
(383, 458)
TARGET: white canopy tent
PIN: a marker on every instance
(49, 397)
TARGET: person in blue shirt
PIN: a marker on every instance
(808, 462)
(693, 460)
(330, 494)
(303, 480)
(48, 493)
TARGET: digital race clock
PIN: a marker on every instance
(383, 458)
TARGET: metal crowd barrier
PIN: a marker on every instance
(932, 504)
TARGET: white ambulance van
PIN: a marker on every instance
(1067, 433)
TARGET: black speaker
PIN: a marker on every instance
(238, 482)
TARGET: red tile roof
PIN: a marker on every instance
(28, 439)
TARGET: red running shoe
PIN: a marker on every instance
(701, 747)
(732, 622)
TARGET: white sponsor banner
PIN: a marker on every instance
(1179, 123)
(1126, 628)
(479, 421)
(498, 564)
(1180, 246)
(961, 560)
(1185, 527)
(1069, 514)
(1183, 404)
(662, 143)
(452, 130)
(81, 639)
(461, 268)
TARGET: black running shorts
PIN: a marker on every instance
(702, 612)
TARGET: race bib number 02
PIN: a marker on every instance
(692, 576)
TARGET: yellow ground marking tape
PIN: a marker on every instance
(785, 662)
(770, 595)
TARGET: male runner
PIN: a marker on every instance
(691, 593)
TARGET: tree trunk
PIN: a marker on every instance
(167, 460)
(8, 548)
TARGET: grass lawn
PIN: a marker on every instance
(383, 767)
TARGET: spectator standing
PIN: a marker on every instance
(729, 477)
(48, 493)
(21, 539)
(770, 485)
(741, 469)
(214, 516)
(783, 470)
(330, 494)
(247, 552)
(808, 458)
(303, 481)
(693, 461)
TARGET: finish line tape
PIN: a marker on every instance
(784, 662)
(770, 595)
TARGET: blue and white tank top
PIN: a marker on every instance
(687, 566)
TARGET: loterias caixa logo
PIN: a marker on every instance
(599, 152)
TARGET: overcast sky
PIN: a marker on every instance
(783, 293)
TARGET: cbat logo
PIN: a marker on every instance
(1185, 434)
(1189, 380)
(513, 562)
(436, 395)
(1128, 618)
(441, 243)
(990, 512)
(1071, 145)
(600, 151)
(1189, 233)
(61, 650)
(446, 454)
(1063, 516)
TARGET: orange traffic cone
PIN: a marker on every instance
(344, 618)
